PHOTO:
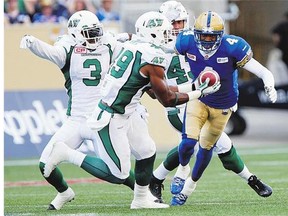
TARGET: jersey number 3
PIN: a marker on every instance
(95, 74)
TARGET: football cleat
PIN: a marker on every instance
(177, 185)
(178, 199)
(151, 197)
(146, 204)
(259, 187)
(59, 153)
(61, 199)
(156, 190)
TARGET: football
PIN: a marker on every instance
(213, 75)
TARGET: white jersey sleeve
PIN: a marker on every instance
(65, 41)
(55, 54)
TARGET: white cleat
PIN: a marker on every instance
(147, 204)
(59, 153)
(61, 199)
(151, 197)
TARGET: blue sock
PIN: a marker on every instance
(186, 149)
(202, 160)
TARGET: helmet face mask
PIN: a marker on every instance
(92, 35)
(175, 11)
(154, 28)
(208, 31)
(86, 29)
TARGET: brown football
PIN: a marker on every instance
(213, 75)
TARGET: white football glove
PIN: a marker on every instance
(26, 41)
(271, 93)
(205, 89)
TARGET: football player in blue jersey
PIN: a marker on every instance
(179, 18)
(207, 47)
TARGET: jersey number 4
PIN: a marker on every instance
(175, 71)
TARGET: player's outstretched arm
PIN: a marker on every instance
(55, 54)
(268, 79)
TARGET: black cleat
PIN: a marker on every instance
(156, 188)
(51, 207)
(259, 187)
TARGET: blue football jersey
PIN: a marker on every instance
(234, 52)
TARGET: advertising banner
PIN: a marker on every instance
(30, 119)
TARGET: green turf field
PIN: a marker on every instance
(219, 192)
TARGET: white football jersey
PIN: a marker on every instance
(124, 85)
(83, 70)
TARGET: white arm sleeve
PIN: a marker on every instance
(55, 54)
(260, 71)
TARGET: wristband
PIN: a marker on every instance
(194, 94)
(185, 88)
(176, 99)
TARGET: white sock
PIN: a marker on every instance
(189, 187)
(161, 172)
(183, 171)
(245, 173)
(140, 192)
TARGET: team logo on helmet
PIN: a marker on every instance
(154, 23)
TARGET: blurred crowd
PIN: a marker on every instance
(55, 11)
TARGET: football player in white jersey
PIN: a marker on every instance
(179, 73)
(83, 56)
(120, 129)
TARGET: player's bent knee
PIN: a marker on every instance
(207, 142)
(223, 145)
(145, 152)
(187, 144)
(122, 173)
(206, 145)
